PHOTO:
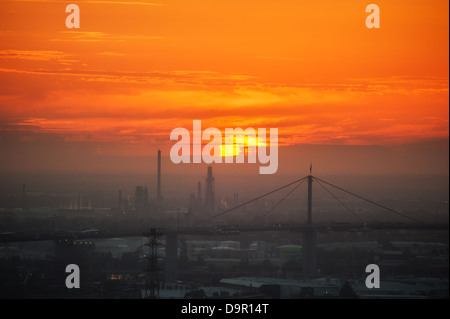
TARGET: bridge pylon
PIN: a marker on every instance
(309, 239)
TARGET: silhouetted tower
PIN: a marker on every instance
(210, 196)
(309, 221)
(152, 269)
(158, 186)
(120, 200)
(309, 238)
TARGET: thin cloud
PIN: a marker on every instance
(111, 54)
(183, 78)
(96, 36)
(280, 58)
(37, 55)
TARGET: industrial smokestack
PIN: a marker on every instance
(120, 199)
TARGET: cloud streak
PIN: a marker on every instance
(37, 55)
(319, 114)
(97, 36)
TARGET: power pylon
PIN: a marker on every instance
(153, 271)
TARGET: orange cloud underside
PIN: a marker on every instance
(134, 71)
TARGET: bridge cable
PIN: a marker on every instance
(370, 201)
(351, 211)
(281, 200)
(254, 199)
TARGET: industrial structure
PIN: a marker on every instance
(309, 239)
(152, 270)
(72, 243)
(210, 200)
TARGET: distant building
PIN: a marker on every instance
(210, 200)
(289, 252)
(275, 288)
(141, 199)
(196, 204)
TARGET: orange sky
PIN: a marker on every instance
(135, 70)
